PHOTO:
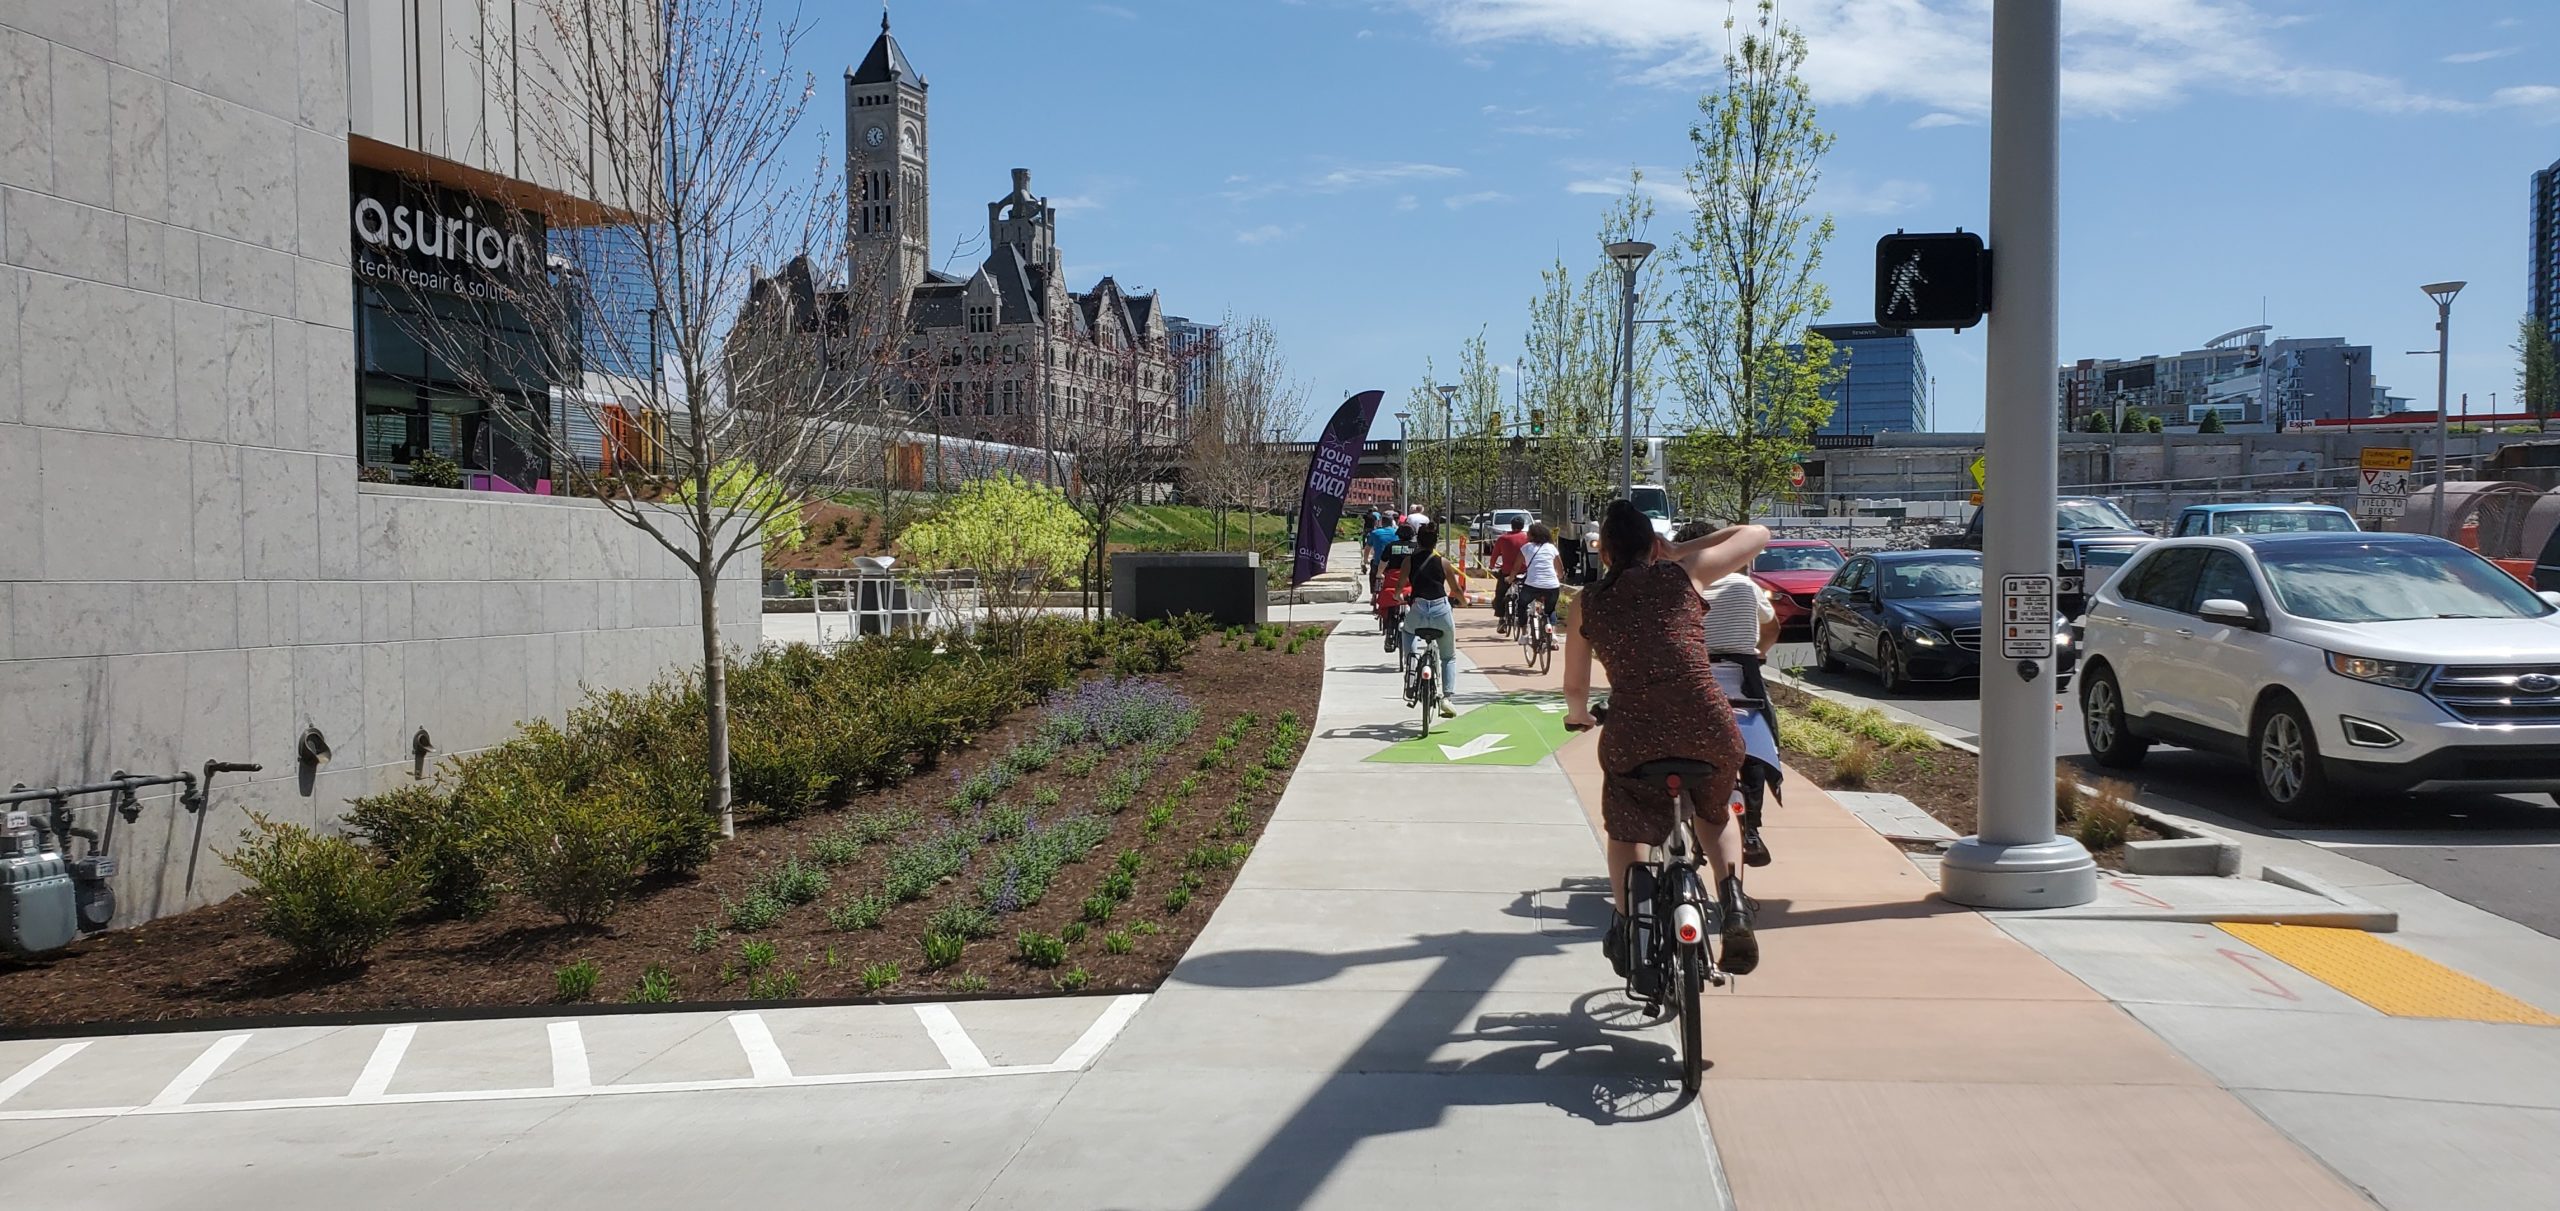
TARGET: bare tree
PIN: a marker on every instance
(671, 122)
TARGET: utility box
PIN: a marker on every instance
(1225, 586)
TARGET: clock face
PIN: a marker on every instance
(874, 135)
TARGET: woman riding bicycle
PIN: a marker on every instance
(1388, 600)
(1647, 626)
(1433, 585)
(1541, 575)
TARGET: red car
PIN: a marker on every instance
(1793, 570)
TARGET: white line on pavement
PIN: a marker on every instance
(957, 1048)
(196, 1073)
(570, 1074)
(569, 1058)
(1099, 1035)
(376, 1077)
(764, 1060)
(35, 1071)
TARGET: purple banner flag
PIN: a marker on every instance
(1328, 478)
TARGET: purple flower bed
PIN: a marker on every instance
(1116, 712)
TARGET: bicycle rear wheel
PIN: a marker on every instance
(1429, 688)
(1693, 1013)
(1546, 649)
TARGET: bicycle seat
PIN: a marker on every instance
(1659, 773)
(1426, 632)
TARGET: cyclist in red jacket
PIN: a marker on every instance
(1508, 561)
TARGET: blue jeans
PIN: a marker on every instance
(1435, 612)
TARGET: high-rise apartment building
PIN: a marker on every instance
(2545, 270)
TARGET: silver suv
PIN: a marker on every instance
(2330, 662)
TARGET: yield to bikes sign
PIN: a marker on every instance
(1520, 729)
(2382, 487)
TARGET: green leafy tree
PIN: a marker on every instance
(2537, 372)
(2212, 422)
(736, 487)
(1749, 371)
(1020, 537)
(2099, 420)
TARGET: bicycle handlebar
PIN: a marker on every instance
(1599, 716)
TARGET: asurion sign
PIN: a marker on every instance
(427, 237)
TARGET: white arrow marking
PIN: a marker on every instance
(1552, 708)
(1490, 742)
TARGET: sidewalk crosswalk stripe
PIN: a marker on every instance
(2392, 979)
(1104, 1029)
(36, 1069)
(957, 1048)
(197, 1072)
(569, 1057)
(764, 1059)
(375, 1080)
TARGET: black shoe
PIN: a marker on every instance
(1755, 852)
(1615, 944)
(1741, 951)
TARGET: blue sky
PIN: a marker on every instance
(1383, 178)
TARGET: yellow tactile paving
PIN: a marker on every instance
(2387, 977)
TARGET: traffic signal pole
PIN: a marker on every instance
(2015, 860)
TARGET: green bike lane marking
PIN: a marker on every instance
(1520, 729)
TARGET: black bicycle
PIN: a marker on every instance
(1670, 962)
(1421, 673)
(1534, 623)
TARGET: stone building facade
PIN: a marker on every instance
(1007, 353)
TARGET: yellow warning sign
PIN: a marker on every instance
(2387, 458)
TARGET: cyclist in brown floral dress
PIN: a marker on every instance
(1646, 623)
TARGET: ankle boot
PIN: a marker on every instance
(1741, 950)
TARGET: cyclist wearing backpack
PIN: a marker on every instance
(1389, 600)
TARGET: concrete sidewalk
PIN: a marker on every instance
(1401, 1003)
(1897, 1051)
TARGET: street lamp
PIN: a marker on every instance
(1448, 444)
(1629, 255)
(2442, 293)
(1404, 461)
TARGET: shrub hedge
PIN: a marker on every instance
(573, 816)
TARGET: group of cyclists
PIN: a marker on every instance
(1683, 633)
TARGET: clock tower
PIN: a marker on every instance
(886, 185)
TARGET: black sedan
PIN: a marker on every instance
(1910, 616)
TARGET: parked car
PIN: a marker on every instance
(1498, 523)
(1910, 616)
(2090, 532)
(2262, 518)
(1793, 570)
(2330, 663)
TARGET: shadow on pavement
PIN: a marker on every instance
(1543, 1058)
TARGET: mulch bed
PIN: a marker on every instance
(214, 963)
(1944, 783)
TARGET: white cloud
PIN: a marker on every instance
(1114, 10)
(1406, 201)
(1937, 118)
(1264, 234)
(1366, 34)
(1543, 132)
(1075, 202)
(1663, 185)
(2120, 56)
(2540, 100)
(1340, 180)
(2481, 56)
(1847, 194)
(1478, 198)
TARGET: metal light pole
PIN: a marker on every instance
(1404, 463)
(2442, 293)
(2014, 860)
(1630, 255)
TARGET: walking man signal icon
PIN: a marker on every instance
(1932, 280)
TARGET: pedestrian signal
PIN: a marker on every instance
(1932, 280)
